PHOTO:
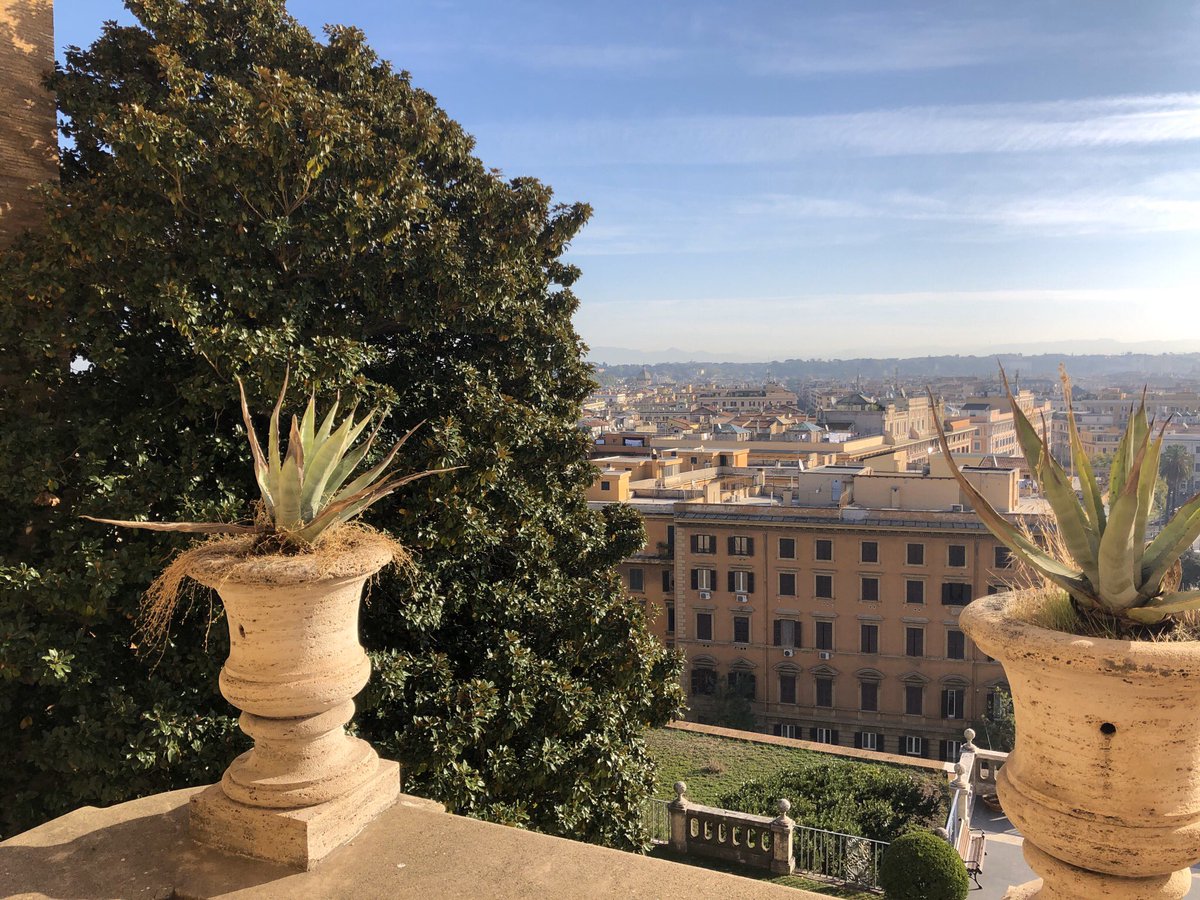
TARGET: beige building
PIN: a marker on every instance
(834, 609)
(28, 140)
(995, 425)
(747, 399)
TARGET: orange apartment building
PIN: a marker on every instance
(835, 609)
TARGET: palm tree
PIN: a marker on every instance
(1176, 469)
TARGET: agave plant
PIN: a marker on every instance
(305, 491)
(1116, 572)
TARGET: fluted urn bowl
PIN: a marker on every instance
(1105, 775)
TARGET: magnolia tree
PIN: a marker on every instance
(239, 197)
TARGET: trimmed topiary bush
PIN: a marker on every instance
(922, 866)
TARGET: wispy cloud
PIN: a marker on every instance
(1095, 123)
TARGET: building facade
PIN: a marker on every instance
(839, 622)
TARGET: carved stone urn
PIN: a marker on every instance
(1104, 782)
(294, 667)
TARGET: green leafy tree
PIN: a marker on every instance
(997, 730)
(239, 196)
(727, 707)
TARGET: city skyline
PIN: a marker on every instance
(775, 182)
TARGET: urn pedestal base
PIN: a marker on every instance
(300, 836)
(1062, 881)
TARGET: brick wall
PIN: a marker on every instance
(28, 140)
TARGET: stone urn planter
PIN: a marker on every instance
(294, 667)
(1104, 782)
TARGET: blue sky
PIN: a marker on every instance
(834, 178)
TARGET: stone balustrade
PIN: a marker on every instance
(758, 841)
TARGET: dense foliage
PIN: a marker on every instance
(922, 866)
(238, 196)
(865, 799)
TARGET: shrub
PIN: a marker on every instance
(865, 799)
(921, 866)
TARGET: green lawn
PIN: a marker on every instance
(714, 766)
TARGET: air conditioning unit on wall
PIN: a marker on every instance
(789, 652)
(742, 598)
(705, 595)
(824, 654)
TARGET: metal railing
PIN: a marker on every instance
(845, 857)
(657, 818)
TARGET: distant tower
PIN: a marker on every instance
(645, 378)
(28, 128)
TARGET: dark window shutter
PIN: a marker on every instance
(796, 635)
(731, 544)
(666, 581)
(731, 581)
(695, 579)
(834, 735)
(695, 544)
(812, 734)
(731, 679)
(778, 632)
(777, 730)
(749, 546)
(749, 582)
(858, 740)
(945, 704)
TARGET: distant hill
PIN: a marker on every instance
(1123, 367)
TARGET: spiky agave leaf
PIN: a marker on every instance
(1120, 574)
(188, 527)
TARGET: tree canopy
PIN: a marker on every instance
(237, 197)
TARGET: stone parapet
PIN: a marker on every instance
(142, 849)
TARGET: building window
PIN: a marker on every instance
(824, 634)
(824, 691)
(742, 684)
(951, 751)
(915, 555)
(787, 688)
(604, 486)
(788, 731)
(741, 546)
(668, 581)
(1003, 558)
(914, 700)
(787, 584)
(637, 579)
(956, 644)
(704, 626)
(670, 618)
(952, 703)
(869, 589)
(787, 633)
(869, 551)
(823, 549)
(914, 641)
(867, 740)
(823, 587)
(914, 591)
(868, 696)
(998, 703)
(823, 735)
(671, 541)
(787, 548)
(703, 579)
(868, 638)
(741, 629)
(704, 543)
(913, 745)
(955, 593)
(704, 681)
(741, 582)
(956, 555)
